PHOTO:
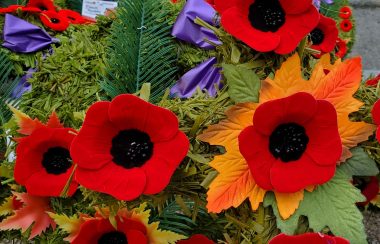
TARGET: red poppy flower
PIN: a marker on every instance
(221, 5)
(309, 238)
(341, 47)
(128, 147)
(346, 25)
(73, 17)
(370, 189)
(43, 163)
(345, 12)
(376, 117)
(31, 9)
(324, 36)
(10, 9)
(54, 21)
(101, 231)
(270, 25)
(374, 81)
(302, 136)
(43, 5)
(196, 239)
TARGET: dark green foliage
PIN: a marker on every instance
(141, 49)
(6, 3)
(75, 5)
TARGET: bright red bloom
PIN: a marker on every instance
(16, 203)
(345, 12)
(31, 9)
(196, 239)
(324, 36)
(54, 21)
(128, 147)
(374, 81)
(100, 230)
(309, 238)
(370, 190)
(73, 17)
(376, 117)
(10, 9)
(43, 163)
(289, 137)
(221, 5)
(270, 25)
(341, 47)
(43, 5)
(346, 25)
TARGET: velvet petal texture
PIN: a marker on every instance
(43, 5)
(29, 170)
(317, 163)
(330, 32)
(92, 230)
(301, 17)
(196, 239)
(54, 20)
(72, 16)
(104, 121)
(376, 117)
(309, 238)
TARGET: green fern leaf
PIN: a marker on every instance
(141, 49)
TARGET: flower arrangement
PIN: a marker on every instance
(186, 122)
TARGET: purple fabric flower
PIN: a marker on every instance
(24, 86)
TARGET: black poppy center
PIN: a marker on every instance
(317, 36)
(42, 7)
(266, 15)
(288, 142)
(114, 237)
(56, 160)
(131, 148)
(54, 20)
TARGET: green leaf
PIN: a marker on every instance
(243, 84)
(331, 205)
(360, 164)
(142, 49)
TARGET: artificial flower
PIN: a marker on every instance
(43, 5)
(302, 136)
(341, 47)
(374, 81)
(196, 239)
(346, 25)
(310, 238)
(54, 20)
(369, 188)
(249, 167)
(324, 36)
(345, 12)
(221, 5)
(73, 17)
(376, 117)
(10, 9)
(43, 163)
(128, 147)
(31, 9)
(269, 25)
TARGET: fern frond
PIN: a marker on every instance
(141, 49)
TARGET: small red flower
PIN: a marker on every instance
(324, 36)
(374, 81)
(370, 189)
(346, 25)
(54, 21)
(43, 163)
(269, 25)
(289, 137)
(31, 9)
(128, 147)
(43, 5)
(100, 230)
(196, 239)
(345, 12)
(310, 238)
(341, 47)
(10, 9)
(221, 5)
(376, 117)
(73, 17)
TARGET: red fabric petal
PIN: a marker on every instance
(296, 6)
(345, 12)
(329, 29)
(221, 5)
(254, 147)
(10, 9)
(342, 48)
(42, 4)
(130, 112)
(121, 183)
(298, 108)
(370, 191)
(296, 175)
(296, 27)
(196, 239)
(54, 21)
(235, 22)
(136, 237)
(346, 25)
(72, 16)
(92, 230)
(126, 224)
(325, 145)
(376, 112)
(91, 148)
(309, 238)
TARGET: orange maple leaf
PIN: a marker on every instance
(33, 212)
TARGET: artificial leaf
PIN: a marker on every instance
(288, 203)
(243, 84)
(53, 121)
(70, 225)
(7, 207)
(360, 164)
(25, 123)
(333, 205)
(33, 212)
